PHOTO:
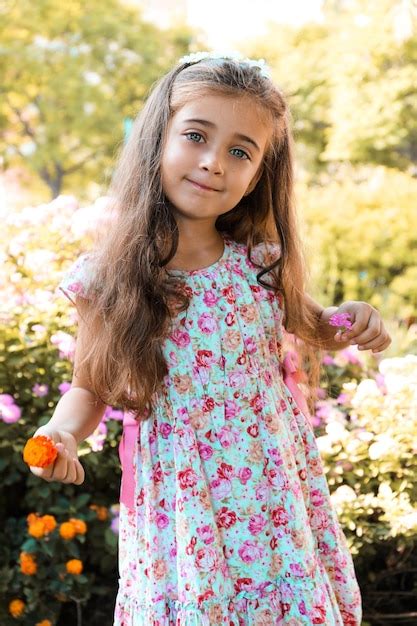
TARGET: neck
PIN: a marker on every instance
(199, 246)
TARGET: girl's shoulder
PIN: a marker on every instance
(78, 279)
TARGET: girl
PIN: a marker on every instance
(225, 512)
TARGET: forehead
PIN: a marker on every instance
(235, 115)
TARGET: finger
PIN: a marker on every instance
(80, 474)
(370, 333)
(379, 342)
(71, 472)
(383, 346)
(61, 467)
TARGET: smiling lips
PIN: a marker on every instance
(201, 186)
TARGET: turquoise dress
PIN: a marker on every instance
(231, 521)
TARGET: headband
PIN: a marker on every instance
(196, 57)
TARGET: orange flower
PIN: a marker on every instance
(44, 622)
(67, 530)
(40, 526)
(39, 451)
(28, 564)
(79, 525)
(16, 608)
(49, 523)
(101, 512)
(74, 566)
(37, 529)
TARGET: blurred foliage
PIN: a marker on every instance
(361, 235)
(71, 74)
(351, 82)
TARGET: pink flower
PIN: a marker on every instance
(162, 520)
(256, 524)
(9, 411)
(39, 390)
(98, 437)
(64, 387)
(244, 474)
(341, 320)
(113, 414)
(180, 338)
(210, 298)
(206, 533)
(250, 551)
(207, 323)
(65, 344)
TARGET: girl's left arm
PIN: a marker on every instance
(368, 331)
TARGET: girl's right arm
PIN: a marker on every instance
(76, 416)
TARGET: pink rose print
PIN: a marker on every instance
(187, 478)
(206, 559)
(207, 323)
(231, 409)
(230, 319)
(229, 294)
(256, 524)
(205, 358)
(225, 471)
(317, 497)
(250, 551)
(319, 519)
(243, 584)
(180, 337)
(225, 518)
(253, 430)
(165, 429)
(205, 451)
(227, 436)
(250, 345)
(206, 534)
(244, 474)
(257, 403)
(279, 516)
(220, 488)
(210, 298)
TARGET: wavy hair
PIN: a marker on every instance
(135, 294)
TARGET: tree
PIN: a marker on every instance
(71, 73)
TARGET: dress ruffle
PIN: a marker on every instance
(280, 603)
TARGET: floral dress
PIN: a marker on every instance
(231, 521)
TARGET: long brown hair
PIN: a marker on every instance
(134, 292)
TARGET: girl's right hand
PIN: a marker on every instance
(66, 468)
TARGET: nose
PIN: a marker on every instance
(211, 162)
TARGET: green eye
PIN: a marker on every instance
(241, 153)
(194, 137)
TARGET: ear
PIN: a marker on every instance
(254, 181)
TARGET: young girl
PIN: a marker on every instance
(225, 513)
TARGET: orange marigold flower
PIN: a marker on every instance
(101, 512)
(79, 525)
(44, 622)
(67, 530)
(49, 522)
(16, 608)
(74, 566)
(40, 451)
(28, 564)
(37, 529)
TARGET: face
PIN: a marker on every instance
(212, 155)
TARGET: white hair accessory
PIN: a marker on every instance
(217, 55)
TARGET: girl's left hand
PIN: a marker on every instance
(368, 330)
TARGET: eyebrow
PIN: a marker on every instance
(212, 125)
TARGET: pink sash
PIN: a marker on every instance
(292, 376)
(131, 430)
(126, 452)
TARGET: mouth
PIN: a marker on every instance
(201, 186)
